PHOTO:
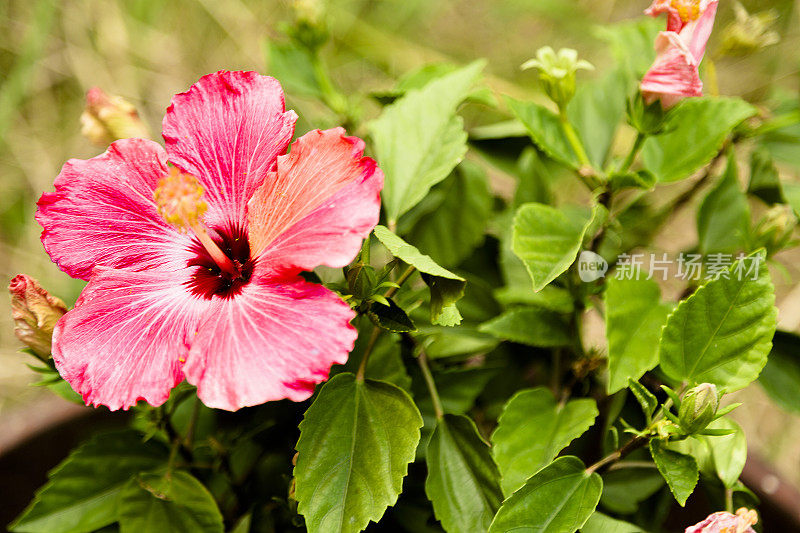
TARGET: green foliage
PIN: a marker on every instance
(723, 220)
(722, 333)
(679, 470)
(532, 326)
(419, 139)
(533, 429)
(462, 479)
(446, 288)
(356, 441)
(634, 317)
(781, 375)
(456, 226)
(558, 499)
(695, 132)
(83, 492)
(546, 130)
(548, 239)
(600, 523)
(175, 501)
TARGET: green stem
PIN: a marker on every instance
(635, 149)
(577, 147)
(373, 339)
(402, 279)
(729, 500)
(422, 358)
(332, 97)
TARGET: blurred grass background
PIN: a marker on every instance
(52, 51)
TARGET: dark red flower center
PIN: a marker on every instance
(209, 280)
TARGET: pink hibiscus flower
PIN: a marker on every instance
(723, 522)
(674, 74)
(193, 268)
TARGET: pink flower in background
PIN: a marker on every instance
(674, 74)
(723, 522)
(194, 268)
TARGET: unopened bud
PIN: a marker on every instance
(557, 72)
(309, 24)
(108, 118)
(723, 522)
(776, 228)
(361, 280)
(698, 407)
(748, 33)
(35, 313)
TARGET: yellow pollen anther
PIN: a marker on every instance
(688, 10)
(179, 198)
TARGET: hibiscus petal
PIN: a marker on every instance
(227, 130)
(274, 340)
(126, 336)
(102, 213)
(674, 74)
(319, 204)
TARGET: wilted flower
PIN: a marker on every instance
(748, 33)
(698, 407)
(557, 72)
(194, 268)
(674, 74)
(108, 118)
(723, 522)
(35, 313)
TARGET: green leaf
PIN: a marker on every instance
(723, 220)
(781, 376)
(533, 429)
(679, 470)
(83, 492)
(293, 66)
(696, 130)
(600, 523)
(792, 193)
(634, 318)
(723, 332)
(551, 297)
(631, 43)
(456, 227)
(356, 441)
(531, 326)
(462, 478)
(544, 128)
(154, 503)
(450, 342)
(548, 239)
(765, 181)
(728, 452)
(625, 488)
(558, 499)
(646, 399)
(419, 139)
(446, 288)
(596, 111)
(390, 317)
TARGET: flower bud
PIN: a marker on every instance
(361, 280)
(698, 407)
(723, 522)
(748, 33)
(557, 72)
(776, 228)
(35, 313)
(108, 118)
(309, 24)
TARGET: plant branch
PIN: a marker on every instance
(635, 149)
(422, 358)
(373, 339)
